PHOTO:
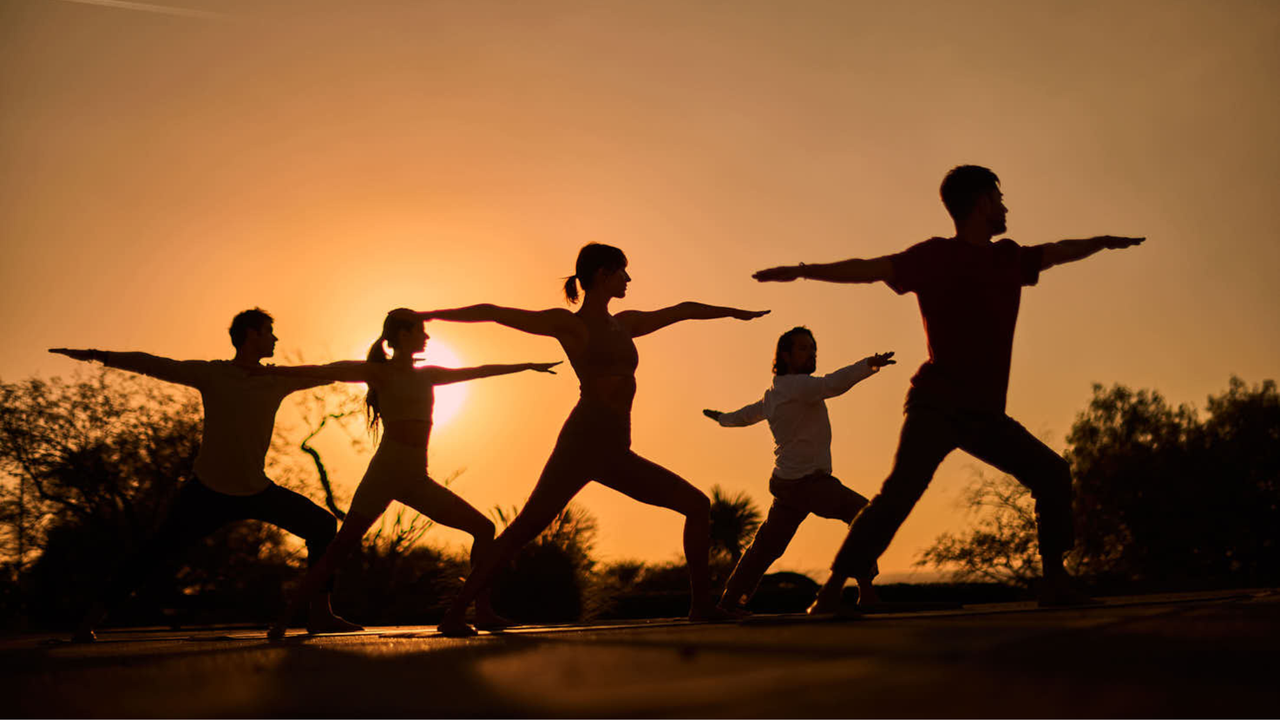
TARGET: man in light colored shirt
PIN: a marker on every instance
(229, 484)
(796, 409)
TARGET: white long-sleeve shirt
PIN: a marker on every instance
(796, 409)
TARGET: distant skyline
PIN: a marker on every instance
(162, 169)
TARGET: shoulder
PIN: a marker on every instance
(933, 249)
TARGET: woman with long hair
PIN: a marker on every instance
(595, 443)
(401, 398)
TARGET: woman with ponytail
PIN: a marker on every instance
(595, 443)
(401, 397)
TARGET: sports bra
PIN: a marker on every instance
(405, 396)
(606, 367)
(610, 351)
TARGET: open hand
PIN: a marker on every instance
(786, 273)
(1112, 242)
(748, 314)
(713, 414)
(882, 359)
(545, 367)
(76, 354)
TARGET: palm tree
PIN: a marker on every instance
(734, 520)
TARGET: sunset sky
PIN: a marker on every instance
(166, 165)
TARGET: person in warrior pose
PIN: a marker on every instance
(796, 408)
(401, 396)
(969, 289)
(229, 484)
(595, 442)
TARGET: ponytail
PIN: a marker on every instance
(377, 354)
(571, 288)
(396, 322)
(592, 258)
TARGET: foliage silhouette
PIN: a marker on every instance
(1163, 499)
(734, 521)
(90, 465)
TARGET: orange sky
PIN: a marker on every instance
(329, 161)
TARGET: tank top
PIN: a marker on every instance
(606, 367)
(405, 396)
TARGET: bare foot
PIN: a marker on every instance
(84, 636)
(276, 632)
(329, 623)
(827, 602)
(455, 629)
(735, 611)
(492, 622)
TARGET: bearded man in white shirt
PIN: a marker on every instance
(796, 409)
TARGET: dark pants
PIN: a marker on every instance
(793, 500)
(929, 433)
(198, 511)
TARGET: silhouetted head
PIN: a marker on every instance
(601, 267)
(404, 332)
(797, 353)
(252, 334)
(972, 195)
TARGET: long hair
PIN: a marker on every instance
(396, 322)
(592, 258)
(784, 345)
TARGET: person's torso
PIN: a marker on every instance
(606, 364)
(801, 427)
(970, 312)
(406, 398)
(239, 417)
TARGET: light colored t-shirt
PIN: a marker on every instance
(239, 415)
(796, 409)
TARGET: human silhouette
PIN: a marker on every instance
(595, 442)
(229, 484)
(802, 483)
(969, 290)
(401, 396)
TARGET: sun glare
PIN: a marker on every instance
(449, 398)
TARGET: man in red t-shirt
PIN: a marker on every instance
(969, 289)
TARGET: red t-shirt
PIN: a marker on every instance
(969, 296)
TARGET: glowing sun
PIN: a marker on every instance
(449, 398)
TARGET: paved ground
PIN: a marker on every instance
(1189, 655)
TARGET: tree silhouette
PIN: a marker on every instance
(1162, 497)
(734, 521)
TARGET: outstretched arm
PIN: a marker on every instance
(352, 371)
(839, 382)
(555, 323)
(846, 271)
(742, 417)
(638, 322)
(182, 372)
(445, 376)
(1065, 251)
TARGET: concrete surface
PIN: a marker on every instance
(1186, 655)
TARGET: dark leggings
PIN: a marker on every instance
(928, 435)
(198, 511)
